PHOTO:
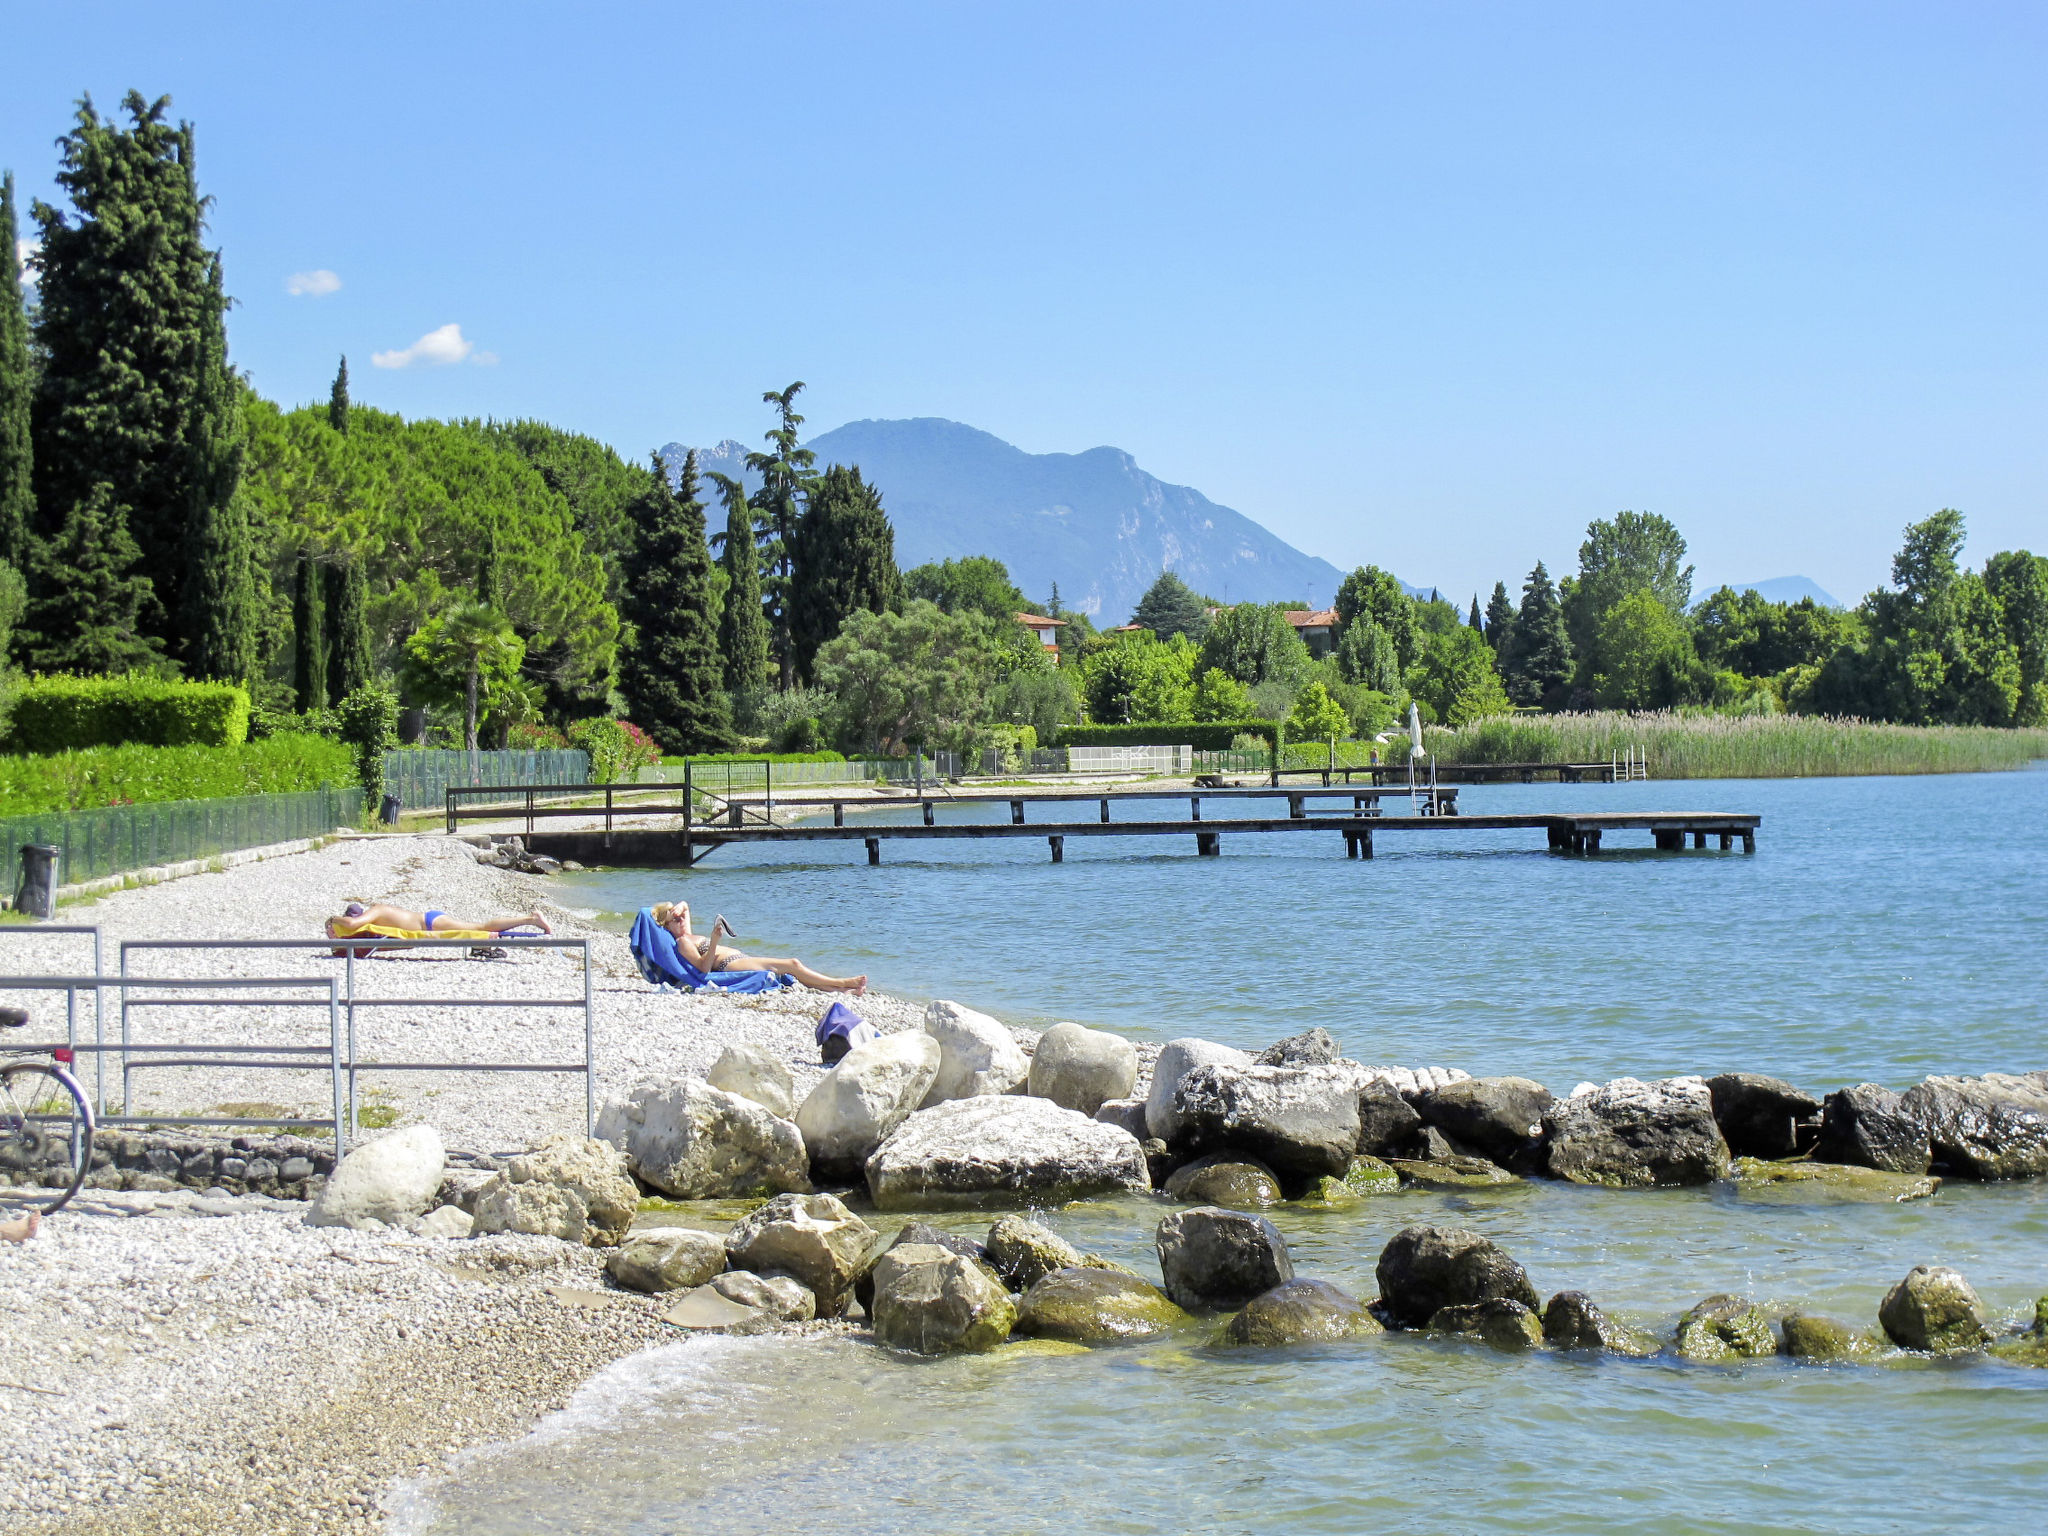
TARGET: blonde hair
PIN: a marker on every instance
(663, 911)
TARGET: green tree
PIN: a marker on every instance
(1538, 660)
(971, 584)
(1171, 607)
(844, 560)
(1500, 617)
(1475, 622)
(1647, 658)
(13, 605)
(1366, 655)
(1316, 716)
(743, 625)
(17, 387)
(345, 599)
(367, 719)
(1140, 678)
(597, 485)
(1745, 633)
(1938, 650)
(1371, 593)
(1254, 643)
(1219, 696)
(309, 637)
(671, 673)
(87, 607)
(135, 412)
(2019, 581)
(471, 654)
(1454, 676)
(1628, 553)
(785, 478)
(337, 398)
(914, 678)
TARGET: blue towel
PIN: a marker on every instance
(654, 950)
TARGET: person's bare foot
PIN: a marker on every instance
(22, 1228)
(858, 986)
(537, 921)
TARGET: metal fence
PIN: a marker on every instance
(720, 778)
(114, 839)
(422, 777)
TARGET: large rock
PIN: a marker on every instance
(1808, 1337)
(667, 1259)
(1299, 1121)
(1866, 1125)
(1763, 1116)
(933, 1301)
(1826, 1183)
(1125, 1115)
(977, 1055)
(696, 1142)
(1454, 1172)
(1934, 1308)
(382, 1182)
(1425, 1269)
(1385, 1120)
(1637, 1135)
(757, 1073)
(1989, 1127)
(1012, 1149)
(1301, 1311)
(1078, 1068)
(1096, 1306)
(874, 1088)
(1725, 1328)
(1317, 1047)
(1176, 1059)
(926, 1235)
(813, 1238)
(1216, 1258)
(1573, 1321)
(1500, 1118)
(571, 1187)
(778, 1298)
(1023, 1253)
(1224, 1178)
(1500, 1323)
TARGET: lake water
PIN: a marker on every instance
(1885, 928)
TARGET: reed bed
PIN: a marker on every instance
(1682, 745)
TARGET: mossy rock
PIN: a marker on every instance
(1096, 1306)
(1371, 1176)
(1229, 1179)
(1725, 1328)
(2031, 1347)
(1036, 1349)
(1301, 1312)
(1808, 1337)
(1796, 1182)
(1501, 1323)
(1453, 1173)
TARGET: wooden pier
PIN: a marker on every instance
(1395, 775)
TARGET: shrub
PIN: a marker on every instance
(126, 775)
(65, 714)
(368, 722)
(618, 748)
(534, 736)
(756, 757)
(1210, 736)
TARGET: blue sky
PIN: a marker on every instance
(1427, 285)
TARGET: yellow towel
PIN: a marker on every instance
(377, 930)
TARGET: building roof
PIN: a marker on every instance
(1312, 618)
(1039, 621)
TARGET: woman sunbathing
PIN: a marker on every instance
(707, 955)
(357, 918)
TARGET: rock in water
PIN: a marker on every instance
(874, 1088)
(1302, 1312)
(757, 1073)
(1177, 1058)
(1078, 1068)
(1224, 1178)
(1425, 1269)
(571, 1187)
(696, 1142)
(978, 1151)
(1934, 1308)
(1385, 1120)
(1500, 1118)
(1300, 1121)
(1452, 1172)
(1500, 1323)
(922, 1233)
(1125, 1115)
(1217, 1258)
(382, 1182)
(1822, 1338)
(1572, 1321)
(1024, 1253)
(1636, 1135)
(1763, 1116)
(814, 1238)
(1989, 1127)
(2031, 1347)
(1316, 1048)
(934, 1302)
(1096, 1306)
(977, 1055)
(1865, 1125)
(778, 1298)
(1724, 1328)
(1827, 1182)
(667, 1259)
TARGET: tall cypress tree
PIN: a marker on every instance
(742, 627)
(672, 674)
(218, 626)
(1538, 662)
(17, 383)
(337, 398)
(844, 561)
(136, 430)
(1500, 617)
(85, 617)
(345, 595)
(309, 638)
(785, 478)
(1475, 622)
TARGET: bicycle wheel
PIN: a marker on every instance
(45, 1135)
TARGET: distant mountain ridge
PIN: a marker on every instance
(1787, 589)
(1094, 522)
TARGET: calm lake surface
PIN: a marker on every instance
(1885, 928)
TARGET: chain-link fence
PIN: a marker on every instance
(114, 839)
(421, 777)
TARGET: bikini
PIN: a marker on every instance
(429, 915)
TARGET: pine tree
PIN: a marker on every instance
(88, 616)
(217, 629)
(785, 478)
(1171, 607)
(345, 597)
(132, 417)
(1474, 622)
(309, 637)
(17, 383)
(844, 562)
(672, 674)
(1500, 617)
(1538, 662)
(337, 398)
(742, 627)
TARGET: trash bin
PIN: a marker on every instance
(37, 894)
(387, 810)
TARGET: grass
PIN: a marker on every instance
(1686, 745)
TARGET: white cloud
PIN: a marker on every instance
(316, 284)
(437, 347)
(26, 251)
(484, 359)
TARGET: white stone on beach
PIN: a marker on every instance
(973, 1151)
(571, 1187)
(1177, 1058)
(1078, 1068)
(446, 1221)
(697, 1142)
(382, 1181)
(861, 1100)
(977, 1055)
(757, 1073)
(667, 1259)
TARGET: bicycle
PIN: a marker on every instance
(46, 1126)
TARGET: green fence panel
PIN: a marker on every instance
(421, 778)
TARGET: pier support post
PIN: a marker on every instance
(1016, 813)
(1699, 839)
(1105, 813)
(1294, 810)
(838, 814)
(1059, 849)
(1749, 842)
(1365, 844)
(874, 850)
(1669, 842)
(927, 813)
(1208, 844)
(1593, 840)
(1727, 842)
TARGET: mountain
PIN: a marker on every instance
(1094, 522)
(1787, 589)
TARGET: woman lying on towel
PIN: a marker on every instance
(708, 955)
(390, 922)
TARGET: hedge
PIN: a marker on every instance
(1210, 736)
(68, 714)
(69, 781)
(755, 757)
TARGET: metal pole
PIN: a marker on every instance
(334, 1070)
(589, 1051)
(99, 1024)
(349, 970)
(124, 1029)
(769, 765)
(689, 808)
